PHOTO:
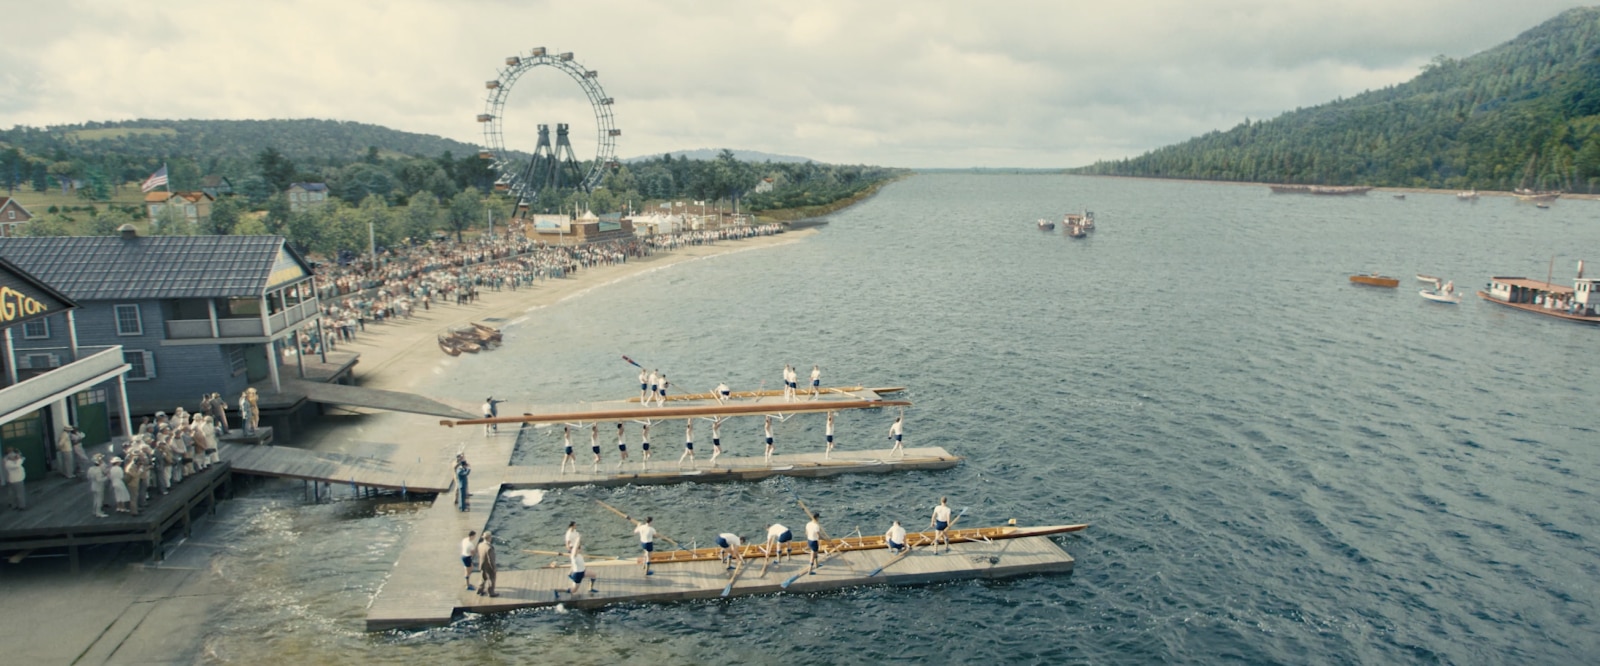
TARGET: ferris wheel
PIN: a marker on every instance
(552, 164)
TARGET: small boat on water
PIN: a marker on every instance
(1046, 225)
(1076, 231)
(1467, 195)
(1428, 278)
(1401, 197)
(1579, 303)
(1542, 205)
(1445, 293)
(869, 542)
(1375, 280)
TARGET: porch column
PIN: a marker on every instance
(11, 360)
(72, 333)
(299, 354)
(322, 338)
(122, 400)
(272, 367)
(211, 307)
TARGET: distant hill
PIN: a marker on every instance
(1522, 114)
(754, 156)
(305, 141)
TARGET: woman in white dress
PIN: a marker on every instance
(119, 489)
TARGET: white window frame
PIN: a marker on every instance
(147, 364)
(117, 311)
(28, 335)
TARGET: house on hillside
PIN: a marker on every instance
(306, 196)
(12, 216)
(45, 388)
(192, 206)
(192, 314)
(765, 185)
(216, 186)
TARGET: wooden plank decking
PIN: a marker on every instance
(423, 475)
(625, 582)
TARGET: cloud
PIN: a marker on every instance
(938, 83)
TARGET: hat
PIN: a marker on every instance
(99, 458)
(116, 460)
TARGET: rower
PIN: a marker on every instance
(777, 536)
(939, 522)
(661, 396)
(730, 545)
(594, 444)
(655, 381)
(816, 381)
(813, 540)
(574, 539)
(622, 446)
(828, 452)
(722, 392)
(644, 384)
(767, 428)
(647, 541)
(566, 439)
(716, 439)
(644, 443)
(895, 537)
(896, 432)
(688, 443)
(577, 575)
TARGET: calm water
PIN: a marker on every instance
(1280, 467)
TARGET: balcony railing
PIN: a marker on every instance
(244, 327)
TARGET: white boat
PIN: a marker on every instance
(1467, 195)
(1446, 297)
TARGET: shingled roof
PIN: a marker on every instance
(101, 268)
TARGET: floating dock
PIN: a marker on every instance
(623, 582)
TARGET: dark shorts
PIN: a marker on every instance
(688, 446)
(897, 438)
(786, 537)
(813, 546)
(815, 383)
(569, 450)
(648, 546)
(769, 441)
(645, 446)
(724, 394)
(896, 546)
(596, 450)
(830, 439)
(576, 576)
(466, 561)
(722, 543)
(939, 525)
(716, 442)
(643, 386)
(622, 447)
(663, 391)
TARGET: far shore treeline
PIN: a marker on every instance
(84, 180)
(1525, 114)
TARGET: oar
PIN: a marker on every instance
(728, 589)
(910, 548)
(635, 522)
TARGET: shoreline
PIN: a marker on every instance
(1398, 190)
(162, 612)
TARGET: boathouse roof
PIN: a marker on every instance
(98, 268)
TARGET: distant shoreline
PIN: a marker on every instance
(1396, 190)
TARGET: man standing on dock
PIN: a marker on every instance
(940, 522)
(767, 429)
(716, 439)
(566, 440)
(661, 392)
(655, 384)
(622, 446)
(813, 540)
(463, 470)
(895, 537)
(644, 385)
(896, 432)
(594, 445)
(486, 565)
(469, 547)
(828, 452)
(777, 538)
(688, 442)
(491, 409)
(816, 380)
(577, 575)
(644, 444)
(647, 541)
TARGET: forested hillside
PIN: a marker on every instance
(1523, 114)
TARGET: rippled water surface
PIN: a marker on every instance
(1279, 466)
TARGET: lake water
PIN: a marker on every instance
(1280, 467)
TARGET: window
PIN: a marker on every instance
(20, 428)
(142, 364)
(37, 329)
(236, 360)
(11, 215)
(91, 397)
(128, 320)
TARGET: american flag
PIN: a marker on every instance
(155, 180)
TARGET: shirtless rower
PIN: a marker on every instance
(828, 452)
(661, 395)
(895, 537)
(767, 428)
(644, 385)
(716, 439)
(647, 541)
(566, 440)
(650, 394)
(722, 392)
(644, 443)
(622, 446)
(688, 443)
(816, 381)
(896, 432)
(940, 522)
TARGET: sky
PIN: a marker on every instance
(931, 83)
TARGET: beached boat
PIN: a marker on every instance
(1046, 225)
(1375, 280)
(1445, 293)
(870, 542)
(449, 346)
(488, 332)
(1579, 303)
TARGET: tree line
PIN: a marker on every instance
(1525, 114)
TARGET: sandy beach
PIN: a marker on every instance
(123, 608)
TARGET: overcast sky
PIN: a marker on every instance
(931, 83)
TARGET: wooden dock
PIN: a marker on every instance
(59, 516)
(665, 469)
(421, 476)
(620, 582)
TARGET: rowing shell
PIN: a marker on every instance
(662, 413)
(867, 542)
(804, 390)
